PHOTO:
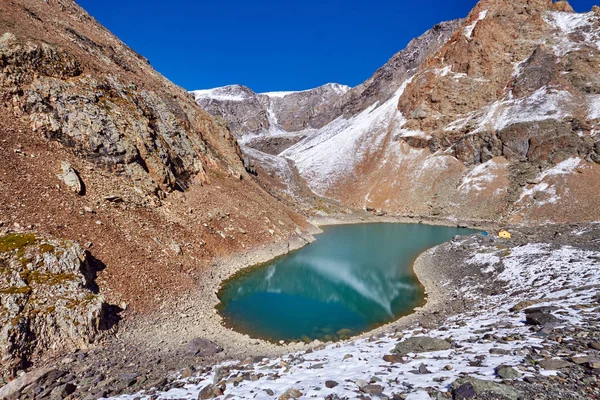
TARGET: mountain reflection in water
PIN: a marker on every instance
(353, 278)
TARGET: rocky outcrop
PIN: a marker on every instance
(469, 387)
(82, 87)
(49, 301)
(386, 80)
(243, 111)
(308, 109)
(421, 344)
(517, 80)
(118, 126)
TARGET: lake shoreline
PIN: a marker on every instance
(367, 268)
(474, 326)
(160, 341)
(202, 320)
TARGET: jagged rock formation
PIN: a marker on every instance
(157, 142)
(386, 80)
(48, 299)
(530, 76)
(491, 117)
(239, 106)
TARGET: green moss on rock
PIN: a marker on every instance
(42, 278)
(16, 241)
(16, 290)
(46, 248)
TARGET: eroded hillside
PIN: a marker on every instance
(163, 187)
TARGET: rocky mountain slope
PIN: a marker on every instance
(280, 113)
(495, 119)
(99, 148)
(263, 142)
(248, 113)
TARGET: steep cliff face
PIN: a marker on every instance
(73, 82)
(518, 81)
(162, 188)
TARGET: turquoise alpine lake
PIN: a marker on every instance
(353, 278)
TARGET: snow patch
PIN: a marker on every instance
(545, 103)
(567, 23)
(563, 168)
(324, 159)
(478, 178)
(339, 89)
(468, 30)
(593, 106)
(225, 93)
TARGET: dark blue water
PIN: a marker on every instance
(352, 279)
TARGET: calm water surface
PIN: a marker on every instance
(352, 279)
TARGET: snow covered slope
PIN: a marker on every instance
(474, 142)
(461, 124)
(249, 113)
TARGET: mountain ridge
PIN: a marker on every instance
(479, 96)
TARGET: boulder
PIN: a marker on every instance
(393, 358)
(421, 344)
(70, 177)
(541, 319)
(209, 392)
(554, 364)
(372, 389)
(199, 347)
(290, 394)
(507, 372)
(22, 382)
(472, 388)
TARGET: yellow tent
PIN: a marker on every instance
(504, 234)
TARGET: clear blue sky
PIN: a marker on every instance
(271, 45)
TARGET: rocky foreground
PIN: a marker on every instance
(505, 319)
(49, 302)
